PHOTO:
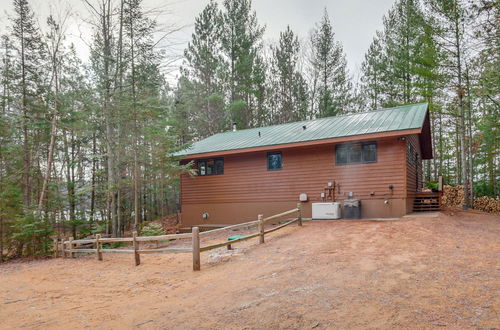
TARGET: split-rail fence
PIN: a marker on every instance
(71, 247)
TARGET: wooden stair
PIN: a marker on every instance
(425, 202)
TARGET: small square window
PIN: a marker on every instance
(274, 161)
(213, 166)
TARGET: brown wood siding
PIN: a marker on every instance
(412, 168)
(305, 170)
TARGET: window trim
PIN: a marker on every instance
(281, 160)
(346, 145)
(205, 160)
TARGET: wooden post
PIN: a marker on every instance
(98, 252)
(63, 245)
(56, 242)
(71, 254)
(299, 213)
(136, 248)
(260, 218)
(196, 248)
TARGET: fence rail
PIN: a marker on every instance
(70, 247)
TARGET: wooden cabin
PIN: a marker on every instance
(374, 156)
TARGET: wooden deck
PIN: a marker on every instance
(427, 201)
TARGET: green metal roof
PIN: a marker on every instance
(384, 120)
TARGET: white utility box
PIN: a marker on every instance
(325, 211)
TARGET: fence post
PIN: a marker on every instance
(136, 248)
(71, 254)
(63, 245)
(196, 248)
(261, 228)
(98, 252)
(299, 213)
(56, 242)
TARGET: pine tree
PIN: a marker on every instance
(451, 17)
(30, 62)
(486, 83)
(107, 75)
(332, 85)
(288, 89)
(241, 46)
(204, 68)
(373, 69)
(403, 27)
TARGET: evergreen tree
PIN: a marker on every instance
(241, 46)
(204, 68)
(29, 84)
(373, 69)
(486, 83)
(451, 17)
(403, 28)
(332, 85)
(288, 89)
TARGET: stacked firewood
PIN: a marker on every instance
(454, 196)
(487, 204)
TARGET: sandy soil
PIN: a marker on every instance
(411, 273)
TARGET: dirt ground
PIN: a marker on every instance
(424, 272)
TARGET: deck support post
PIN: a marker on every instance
(260, 218)
(196, 249)
(299, 213)
(136, 249)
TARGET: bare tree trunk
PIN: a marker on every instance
(441, 144)
(26, 147)
(93, 180)
(461, 91)
(470, 137)
(106, 35)
(55, 37)
(458, 173)
(70, 180)
(53, 127)
(1, 207)
(136, 130)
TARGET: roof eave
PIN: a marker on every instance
(425, 138)
(304, 144)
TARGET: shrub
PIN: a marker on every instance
(152, 229)
(432, 185)
(32, 236)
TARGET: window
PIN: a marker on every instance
(356, 153)
(213, 166)
(274, 161)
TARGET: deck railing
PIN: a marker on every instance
(71, 247)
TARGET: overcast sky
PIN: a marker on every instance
(354, 21)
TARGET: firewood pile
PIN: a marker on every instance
(487, 204)
(454, 196)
